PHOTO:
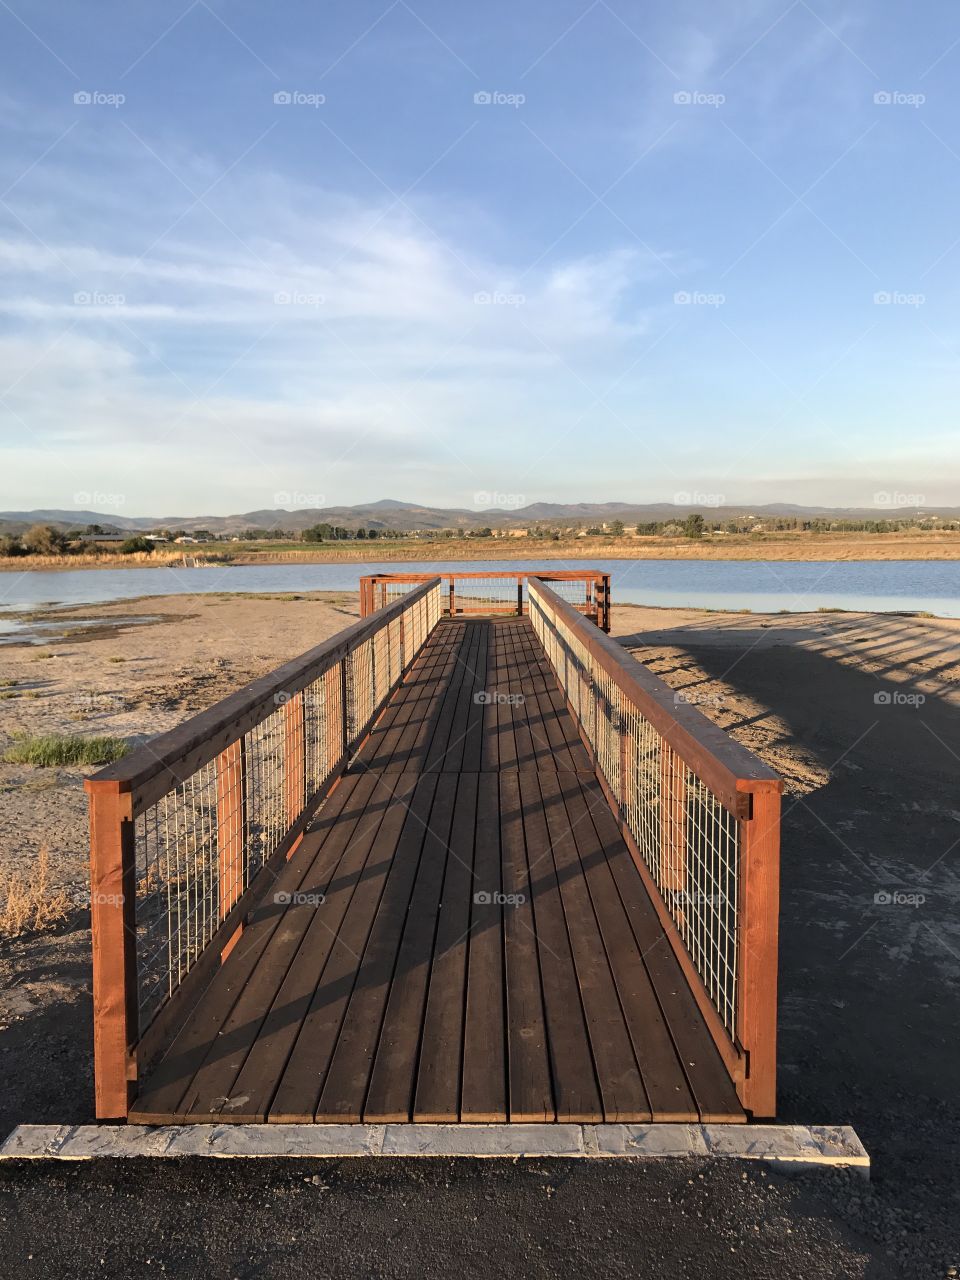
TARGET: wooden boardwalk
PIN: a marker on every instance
(461, 934)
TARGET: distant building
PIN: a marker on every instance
(186, 541)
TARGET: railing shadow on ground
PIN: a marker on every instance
(870, 930)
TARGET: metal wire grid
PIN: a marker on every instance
(201, 845)
(704, 902)
(496, 594)
(576, 591)
(688, 840)
(177, 886)
(323, 727)
(360, 674)
(264, 793)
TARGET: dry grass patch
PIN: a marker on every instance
(28, 902)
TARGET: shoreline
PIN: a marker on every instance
(826, 548)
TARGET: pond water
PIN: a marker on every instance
(762, 586)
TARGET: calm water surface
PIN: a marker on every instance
(761, 586)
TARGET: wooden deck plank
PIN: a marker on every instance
(393, 1080)
(437, 1097)
(395, 735)
(531, 1094)
(473, 742)
(621, 1087)
(345, 1087)
(663, 1074)
(484, 1092)
(292, 1086)
(412, 749)
(446, 750)
(575, 1091)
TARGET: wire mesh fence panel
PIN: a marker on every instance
(496, 594)
(177, 886)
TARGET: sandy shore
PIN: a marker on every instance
(859, 713)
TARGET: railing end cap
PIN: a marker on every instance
(103, 782)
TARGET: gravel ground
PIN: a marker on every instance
(436, 1218)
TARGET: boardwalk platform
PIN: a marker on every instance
(461, 934)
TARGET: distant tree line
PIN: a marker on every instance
(48, 540)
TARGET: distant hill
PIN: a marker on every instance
(387, 513)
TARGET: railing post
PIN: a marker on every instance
(758, 911)
(673, 827)
(453, 596)
(294, 757)
(231, 824)
(113, 922)
(519, 597)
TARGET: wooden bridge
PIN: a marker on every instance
(451, 865)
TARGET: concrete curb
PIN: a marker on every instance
(786, 1146)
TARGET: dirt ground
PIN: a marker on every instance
(860, 714)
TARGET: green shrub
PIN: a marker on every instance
(135, 544)
(64, 749)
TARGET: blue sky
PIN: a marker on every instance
(258, 255)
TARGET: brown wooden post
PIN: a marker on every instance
(603, 602)
(519, 597)
(758, 912)
(294, 757)
(231, 824)
(113, 921)
(673, 826)
(453, 596)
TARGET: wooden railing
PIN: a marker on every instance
(493, 592)
(701, 817)
(187, 832)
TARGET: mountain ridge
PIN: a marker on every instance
(389, 513)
